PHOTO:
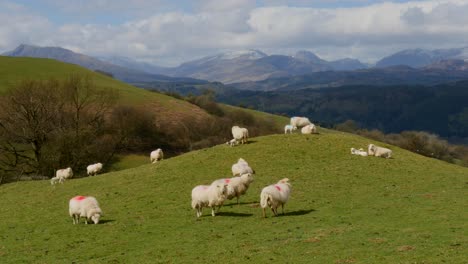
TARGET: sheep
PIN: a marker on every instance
(241, 167)
(84, 206)
(359, 152)
(54, 180)
(309, 129)
(63, 174)
(289, 128)
(275, 195)
(94, 169)
(374, 150)
(236, 186)
(156, 155)
(212, 196)
(232, 142)
(299, 121)
(240, 134)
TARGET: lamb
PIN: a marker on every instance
(240, 134)
(241, 167)
(359, 152)
(309, 129)
(289, 128)
(54, 180)
(94, 169)
(232, 142)
(212, 196)
(275, 195)
(236, 186)
(300, 121)
(63, 174)
(84, 206)
(156, 155)
(374, 150)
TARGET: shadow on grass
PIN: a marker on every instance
(297, 213)
(242, 203)
(233, 214)
(106, 221)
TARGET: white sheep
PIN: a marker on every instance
(156, 155)
(54, 180)
(94, 169)
(374, 150)
(275, 195)
(240, 134)
(212, 196)
(359, 152)
(63, 174)
(299, 121)
(289, 128)
(241, 167)
(236, 186)
(84, 206)
(309, 129)
(232, 142)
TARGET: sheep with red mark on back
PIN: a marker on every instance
(275, 195)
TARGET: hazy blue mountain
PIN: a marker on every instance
(130, 63)
(254, 65)
(65, 55)
(417, 58)
(433, 74)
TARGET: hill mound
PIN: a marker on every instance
(343, 209)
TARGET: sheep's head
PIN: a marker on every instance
(285, 181)
(95, 218)
(371, 149)
(294, 128)
(247, 178)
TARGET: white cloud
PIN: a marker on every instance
(368, 32)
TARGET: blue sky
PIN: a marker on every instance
(168, 32)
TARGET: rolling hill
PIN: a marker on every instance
(343, 209)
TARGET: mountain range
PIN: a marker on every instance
(255, 70)
(129, 75)
(253, 65)
(417, 58)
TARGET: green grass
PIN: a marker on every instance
(343, 209)
(129, 161)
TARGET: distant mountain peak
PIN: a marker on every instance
(250, 54)
(307, 56)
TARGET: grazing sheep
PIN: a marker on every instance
(309, 129)
(232, 142)
(300, 121)
(63, 174)
(374, 150)
(156, 155)
(236, 186)
(275, 195)
(289, 128)
(240, 134)
(359, 152)
(241, 167)
(84, 206)
(212, 196)
(94, 169)
(54, 180)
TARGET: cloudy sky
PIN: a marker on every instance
(168, 32)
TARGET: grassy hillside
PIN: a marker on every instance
(343, 209)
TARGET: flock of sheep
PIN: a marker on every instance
(215, 194)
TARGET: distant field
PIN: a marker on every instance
(343, 209)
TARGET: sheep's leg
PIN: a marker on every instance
(237, 200)
(264, 215)
(213, 211)
(274, 211)
(86, 220)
